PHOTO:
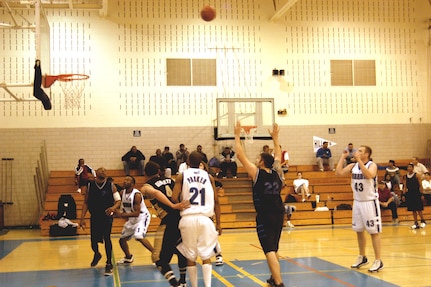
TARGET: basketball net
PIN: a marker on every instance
(72, 86)
(248, 133)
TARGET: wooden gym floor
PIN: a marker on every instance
(309, 255)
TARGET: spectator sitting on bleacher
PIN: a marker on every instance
(393, 171)
(284, 160)
(82, 175)
(227, 161)
(265, 149)
(324, 156)
(300, 185)
(386, 201)
(388, 182)
(426, 188)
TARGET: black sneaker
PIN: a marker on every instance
(96, 258)
(108, 269)
(270, 281)
(360, 261)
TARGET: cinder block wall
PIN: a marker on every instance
(105, 146)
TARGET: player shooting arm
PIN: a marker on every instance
(369, 172)
(240, 154)
(274, 134)
(339, 170)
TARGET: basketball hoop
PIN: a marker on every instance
(72, 86)
(249, 132)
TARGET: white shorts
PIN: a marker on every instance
(136, 227)
(199, 237)
(366, 216)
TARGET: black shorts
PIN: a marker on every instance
(269, 228)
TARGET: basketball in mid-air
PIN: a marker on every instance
(208, 13)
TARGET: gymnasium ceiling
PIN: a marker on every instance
(71, 4)
(280, 7)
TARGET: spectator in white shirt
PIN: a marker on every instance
(418, 168)
(300, 185)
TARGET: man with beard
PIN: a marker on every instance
(101, 199)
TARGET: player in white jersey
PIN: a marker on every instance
(366, 208)
(138, 219)
(199, 236)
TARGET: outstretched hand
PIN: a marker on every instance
(275, 130)
(237, 128)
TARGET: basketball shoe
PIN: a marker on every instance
(377, 266)
(360, 261)
(125, 260)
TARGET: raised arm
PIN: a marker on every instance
(240, 154)
(274, 134)
(339, 170)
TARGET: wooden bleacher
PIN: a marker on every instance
(63, 182)
(237, 210)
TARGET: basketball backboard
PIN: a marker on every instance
(250, 112)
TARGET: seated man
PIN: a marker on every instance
(227, 161)
(324, 156)
(159, 159)
(351, 151)
(386, 201)
(300, 185)
(133, 159)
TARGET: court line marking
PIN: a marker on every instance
(309, 268)
(243, 272)
(221, 278)
(117, 281)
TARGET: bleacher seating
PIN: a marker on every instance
(237, 209)
(63, 182)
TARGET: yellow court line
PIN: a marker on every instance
(222, 279)
(116, 275)
(242, 271)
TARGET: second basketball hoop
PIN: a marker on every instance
(248, 133)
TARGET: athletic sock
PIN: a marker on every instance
(206, 273)
(183, 272)
(193, 275)
(170, 276)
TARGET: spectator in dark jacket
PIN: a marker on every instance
(133, 159)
